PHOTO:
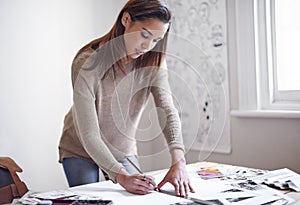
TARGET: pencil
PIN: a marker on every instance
(137, 169)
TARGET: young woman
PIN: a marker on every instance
(112, 79)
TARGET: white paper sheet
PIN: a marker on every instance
(114, 192)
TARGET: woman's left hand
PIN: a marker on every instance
(178, 177)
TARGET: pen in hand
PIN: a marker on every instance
(136, 168)
(198, 201)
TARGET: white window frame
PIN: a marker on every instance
(269, 97)
(252, 52)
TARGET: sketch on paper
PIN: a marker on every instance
(198, 73)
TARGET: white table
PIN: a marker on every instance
(211, 189)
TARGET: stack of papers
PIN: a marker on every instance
(234, 185)
(49, 198)
(281, 178)
(228, 185)
(209, 173)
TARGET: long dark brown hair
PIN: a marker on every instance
(139, 10)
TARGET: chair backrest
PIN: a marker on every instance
(10, 184)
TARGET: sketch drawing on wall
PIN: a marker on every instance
(197, 61)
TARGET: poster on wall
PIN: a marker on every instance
(198, 73)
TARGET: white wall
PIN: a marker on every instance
(38, 41)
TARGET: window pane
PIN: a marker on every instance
(287, 27)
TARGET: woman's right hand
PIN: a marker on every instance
(136, 184)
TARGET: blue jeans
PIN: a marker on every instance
(79, 171)
(6, 178)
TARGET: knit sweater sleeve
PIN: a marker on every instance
(167, 113)
(85, 83)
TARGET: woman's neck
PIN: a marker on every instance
(126, 60)
(126, 65)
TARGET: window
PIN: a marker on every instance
(277, 40)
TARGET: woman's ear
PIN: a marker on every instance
(126, 19)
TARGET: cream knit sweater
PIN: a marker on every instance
(102, 123)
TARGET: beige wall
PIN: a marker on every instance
(261, 143)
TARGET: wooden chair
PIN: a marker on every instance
(11, 186)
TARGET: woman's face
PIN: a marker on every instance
(141, 36)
